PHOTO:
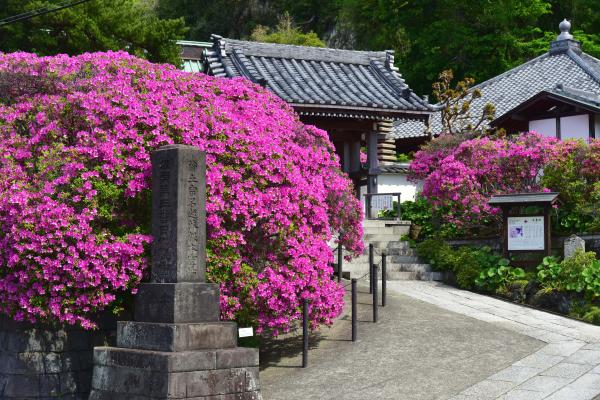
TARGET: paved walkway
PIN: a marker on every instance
(417, 351)
(567, 367)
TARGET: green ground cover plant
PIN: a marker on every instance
(569, 286)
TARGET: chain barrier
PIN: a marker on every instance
(372, 274)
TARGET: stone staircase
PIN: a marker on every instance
(402, 260)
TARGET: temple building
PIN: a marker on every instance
(356, 96)
(556, 94)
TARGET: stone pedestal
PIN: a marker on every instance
(42, 362)
(176, 347)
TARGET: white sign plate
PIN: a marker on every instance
(245, 332)
(381, 203)
(526, 233)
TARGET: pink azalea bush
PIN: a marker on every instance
(76, 135)
(461, 178)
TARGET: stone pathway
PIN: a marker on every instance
(416, 351)
(566, 368)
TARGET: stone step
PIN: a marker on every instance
(415, 276)
(387, 245)
(408, 257)
(382, 238)
(374, 223)
(399, 275)
(403, 267)
(388, 230)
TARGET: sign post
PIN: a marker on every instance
(526, 232)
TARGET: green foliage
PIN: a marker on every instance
(420, 213)
(579, 273)
(550, 274)
(574, 174)
(592, 316)
(473, 267)
(98, 25)
(497, 278)
(473, 37)
(286, 33)
(404, 157)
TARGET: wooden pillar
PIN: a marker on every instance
(505, 232)
(346, 157)
(355, 156)
(547, 233)
(372, 161)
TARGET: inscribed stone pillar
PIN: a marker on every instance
(176, 348)
(572, 244)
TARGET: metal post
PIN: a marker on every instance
(354, 316)
(371, 262)
(375, 301)
(339, 262)
(305, 333)
(383, 278)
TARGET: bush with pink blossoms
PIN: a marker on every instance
(461, 178)
(76, 135)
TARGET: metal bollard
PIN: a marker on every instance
(305, 333)
(354, 316)
(371, 255)
(383, 278)
(340, 260)
(375, 300)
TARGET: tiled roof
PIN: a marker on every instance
(319, 80)
(581, 97)
(392, 168)
(549, 197)
(565, 65)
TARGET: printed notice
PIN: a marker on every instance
(245, 332)
(526, 233)
(382, 203)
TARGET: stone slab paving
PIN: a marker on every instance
(416, 351)
(566, 368)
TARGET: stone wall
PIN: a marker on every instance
(43, 362)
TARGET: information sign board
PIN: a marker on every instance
(526, 233)
(382, 203)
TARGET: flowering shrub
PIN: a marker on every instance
(75, 137)
(574, 171)
(462, 178)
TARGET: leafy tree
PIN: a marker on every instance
(286, 33)
(472, 37)
(130, 25)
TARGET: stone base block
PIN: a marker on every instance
(176, 337)
(177, 302)
(41, 362)
(222, 374)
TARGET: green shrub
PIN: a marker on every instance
(437, 253)
(592, 316)
(550, 273)
(500, 277)
(579, 273)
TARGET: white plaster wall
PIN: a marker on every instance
(597, 129)
(575, 127)
(546, 127)
(398, 183)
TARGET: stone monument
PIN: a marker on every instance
(176, 347)
(572, 244)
